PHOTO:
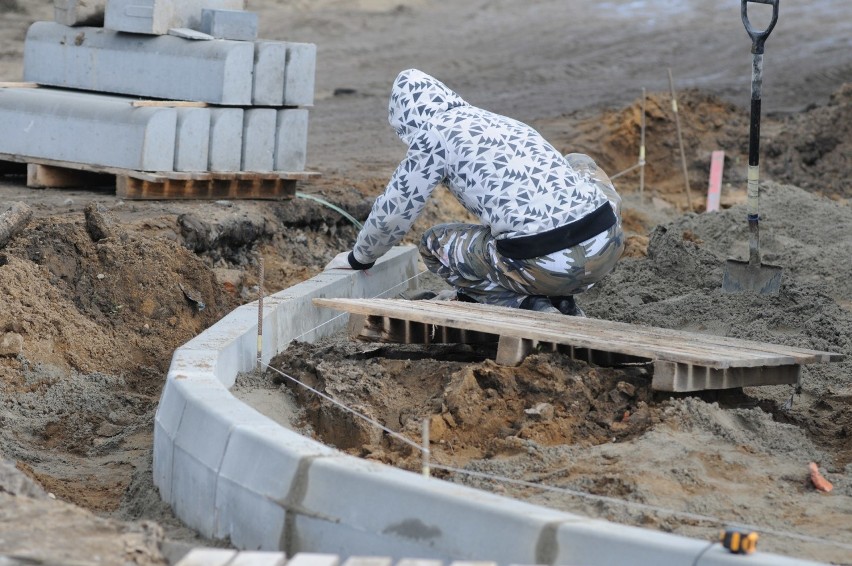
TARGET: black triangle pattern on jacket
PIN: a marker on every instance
(501, 170)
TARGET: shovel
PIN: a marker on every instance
(751, 276)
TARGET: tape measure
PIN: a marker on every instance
(739, 542)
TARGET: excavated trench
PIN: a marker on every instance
(736, 455)
(100, 318)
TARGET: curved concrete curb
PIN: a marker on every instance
(229, 471)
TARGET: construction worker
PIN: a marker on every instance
(550, 224)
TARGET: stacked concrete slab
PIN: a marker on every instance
(252, 95)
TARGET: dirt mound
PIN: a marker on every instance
(733, 455)
(810, 150)
(476, 409)
(613, 138)
(813, 150)
(96, 322)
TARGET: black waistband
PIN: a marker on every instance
(536, 245)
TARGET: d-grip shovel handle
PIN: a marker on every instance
(758, 38)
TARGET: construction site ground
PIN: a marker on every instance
(98, 321)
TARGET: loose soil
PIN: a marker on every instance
(98, 320)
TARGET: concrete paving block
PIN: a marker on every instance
(86, 128)
(261, 468)
(291, 139)
(299, 319)
(258, 558)
(247, 519)
(187, 33)
(217, 72)
(237, 25)
(259, 139)
(189, 361)
(170, 409)
(226, 139)
(342, 538)
(163, 460)
(192, 143)
(599, 542)
(311, 559)
(426, 514)
(299, 76)
(156, 17)
(234, 338)
(368, 561)
(270, 59)
(211, 413)
(208, 557)
(79, 12)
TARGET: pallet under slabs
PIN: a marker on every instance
(160, 185)
(682, 361)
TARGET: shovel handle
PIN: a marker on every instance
(758, 38)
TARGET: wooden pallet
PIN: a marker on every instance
(681, 361)
(159, 185)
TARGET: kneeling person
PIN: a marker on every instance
(550, 225)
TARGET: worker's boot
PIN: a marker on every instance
(567, 305)
(538, 303)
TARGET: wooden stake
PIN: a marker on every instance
(169, 103)
(680, 142)
(426, 451)
(9, 84)
(260, 315)
(642, 150)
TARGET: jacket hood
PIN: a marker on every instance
(415, 99)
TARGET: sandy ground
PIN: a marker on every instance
(77, 401)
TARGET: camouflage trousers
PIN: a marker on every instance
(466, 257)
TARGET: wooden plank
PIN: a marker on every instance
(259, 558)
(512, 350)
(56, 163)
(419, 562)
(647, 342)
(311, 559)
(543, 327)
(670, 376)
(368, 561)
(131, 188)
(49, 177)
(208, 557)
(382, 329)
(161, 176)
(801, 355)
(168, 104)
(527, 324)
(13, 84)
(399, 331)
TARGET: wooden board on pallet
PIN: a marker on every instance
(162, 185)
(683, 361)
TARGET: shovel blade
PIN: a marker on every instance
(743, 277)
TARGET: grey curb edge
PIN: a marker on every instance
(228, 471)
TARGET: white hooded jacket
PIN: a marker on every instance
(501, 170)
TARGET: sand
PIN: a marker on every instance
(77, 401)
